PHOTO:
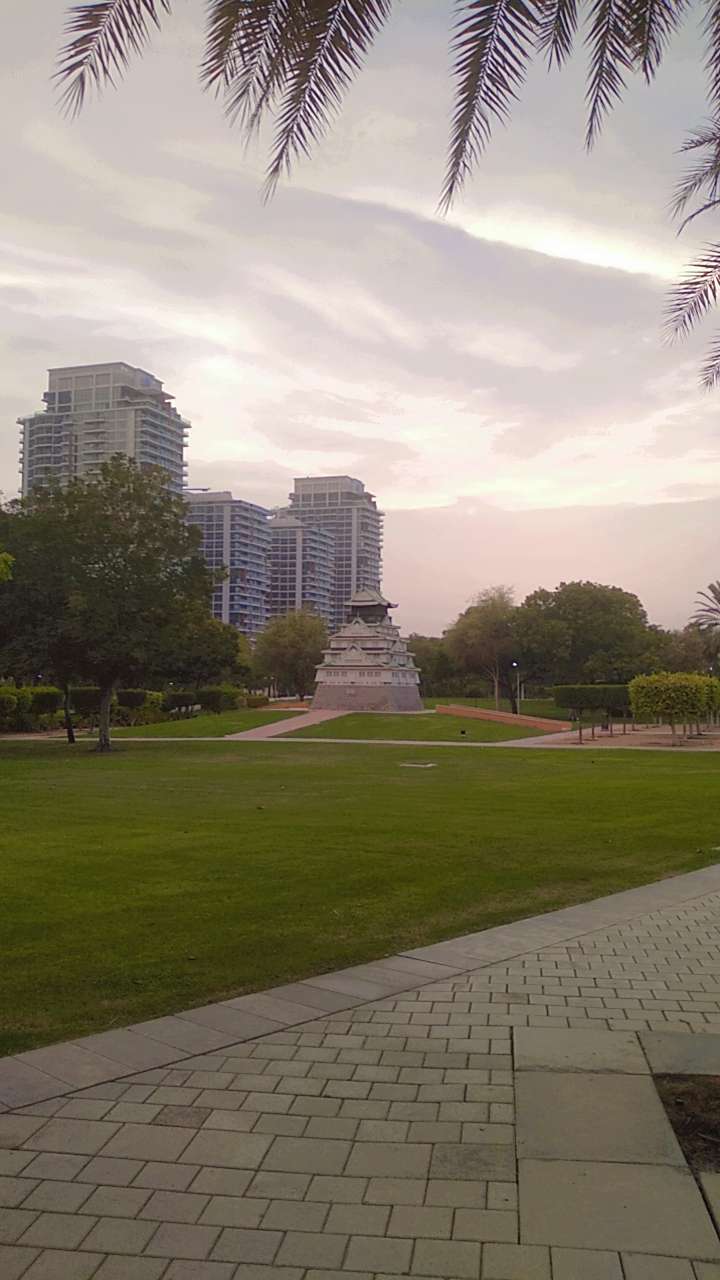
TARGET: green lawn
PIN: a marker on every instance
(403, 727)
(156, 878)
(528, 707)
(206, 726)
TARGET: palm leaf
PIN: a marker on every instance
(707, 613)
(711, 27)
(610, 55)
(492, 45)
(703, 176)
(329, 52)
(558, 24)
(250, 45)
(103, 37)
(650, 24)
(693, 296)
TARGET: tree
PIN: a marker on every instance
(707, 612)
(296, 61)
(6, 564)
(481, 639)
(289, 650)
(673, 696)
(201, 650)
(436, 666)
(106, 571)
(581, 633)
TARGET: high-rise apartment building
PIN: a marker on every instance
(236, 534)
(93, 411)
(302, 566)
(341, 505)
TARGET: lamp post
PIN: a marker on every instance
(517, 682)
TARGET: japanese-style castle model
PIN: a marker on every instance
(367, 666)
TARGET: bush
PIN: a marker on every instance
(152, 710)
(130, 700)
(217, 698)
(45, 701)
(255, 700)
(86, 701)
(180, 700)
(8, 704)
(614, 699)
(675, 696)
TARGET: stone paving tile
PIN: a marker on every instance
(377, 1138)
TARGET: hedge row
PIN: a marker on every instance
(614, 699)
(675, 697)
(26, 709)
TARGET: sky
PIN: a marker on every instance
(497, 376)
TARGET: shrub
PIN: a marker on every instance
(131, 700)
(255, 700)
(219, 697)
(153, 708)
(674, 696)
(86, 701)
(180, 700)
(8, 704)
(45, 701)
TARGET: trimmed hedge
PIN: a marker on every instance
(131, 698)
(86, 700)
(673, 696)
(255, 700)
(219, 697)
(611, 698)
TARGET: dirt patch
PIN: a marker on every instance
(692, 1104)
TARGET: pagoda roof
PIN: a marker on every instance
(368, 596)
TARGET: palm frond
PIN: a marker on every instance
(704, 176)
(710, 370)
(711, 29)
(250, 44)
(693, 296)
(103, 37)
(707, 612)
(650, 24)
(611, 54)
(558, 24)
(492, 45)
(337, 36)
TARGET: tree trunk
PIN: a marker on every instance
(68, 717)
(496, 686)
(580, 727)
(104, 727)
(673, 730)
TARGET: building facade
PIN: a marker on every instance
(302, 566)
(366, 666)
(236, 534)
(95, 411)
(341, 506)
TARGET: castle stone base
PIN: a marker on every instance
(352, 697)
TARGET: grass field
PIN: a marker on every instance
(430, 727)
(528, 707)
(155, 878)
(206, 726)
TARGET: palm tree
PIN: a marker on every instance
(707, 614)
(295, 59)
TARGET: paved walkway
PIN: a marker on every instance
(478, 1108)
(282, 726)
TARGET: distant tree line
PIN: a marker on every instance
(581, 633)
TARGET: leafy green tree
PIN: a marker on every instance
(296, 61)
(289, 650)
(202, 651)
(123, 569)
(437, 668)
(581, 633)
(672, 697)
(6, 564)
(481, 640)
(691, 649)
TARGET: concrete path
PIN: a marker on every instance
(480, 1108)
(282, 726)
